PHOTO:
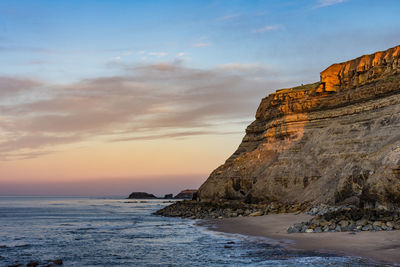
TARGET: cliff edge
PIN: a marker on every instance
(333, 142)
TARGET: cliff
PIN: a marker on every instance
(334, 142)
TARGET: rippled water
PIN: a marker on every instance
(118, 232)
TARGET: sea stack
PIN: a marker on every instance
(334, 142)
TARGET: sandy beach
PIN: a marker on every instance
(382, 246)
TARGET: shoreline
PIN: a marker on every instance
(380, 246)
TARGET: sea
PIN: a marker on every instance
(98, 231)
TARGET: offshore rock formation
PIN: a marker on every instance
(334, 142)
(186, 194)
(141, 195)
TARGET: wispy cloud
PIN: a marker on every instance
(157, 54)
(143, 53)
(267, 28)
(113, 59)
(120, 56)
(323, 3)
(148, 101)
(37, 62)
(183, 134)
(127, 53)
(240, 66)
(11, 86)
(201, 44)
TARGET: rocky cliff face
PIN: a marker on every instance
(333, 142)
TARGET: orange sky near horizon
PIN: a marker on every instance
(150, 160)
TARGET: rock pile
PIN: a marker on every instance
(211, 210)
(348, 218)
(326, 218)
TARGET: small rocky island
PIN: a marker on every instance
(141, 195)
(331, 148)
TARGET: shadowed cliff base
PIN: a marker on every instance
(334, 142)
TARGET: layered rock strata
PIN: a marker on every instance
(334, 142)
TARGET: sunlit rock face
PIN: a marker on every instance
(362, 70)
(334, 142)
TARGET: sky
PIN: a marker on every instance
(110, 97)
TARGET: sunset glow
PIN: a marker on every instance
(109, 97)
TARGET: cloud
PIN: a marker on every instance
(181, 54)
(143, 102)
(37, 62)
(242, 67)
(11, 86)
(119, 57)
(267, 28)
(172, 135)
(157, 54)
(323, 3)
(202, 44)
(113, 59)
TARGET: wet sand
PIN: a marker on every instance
(382, 246)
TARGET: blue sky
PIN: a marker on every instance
(70, 40)
(142, 91)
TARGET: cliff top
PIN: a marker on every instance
(355, 72)
(361, 70)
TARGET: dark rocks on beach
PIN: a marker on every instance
(141, 195)
(348, 219)
(213, 210)
(326, 218)
(32, 264)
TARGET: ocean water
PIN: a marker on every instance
(120, 232)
